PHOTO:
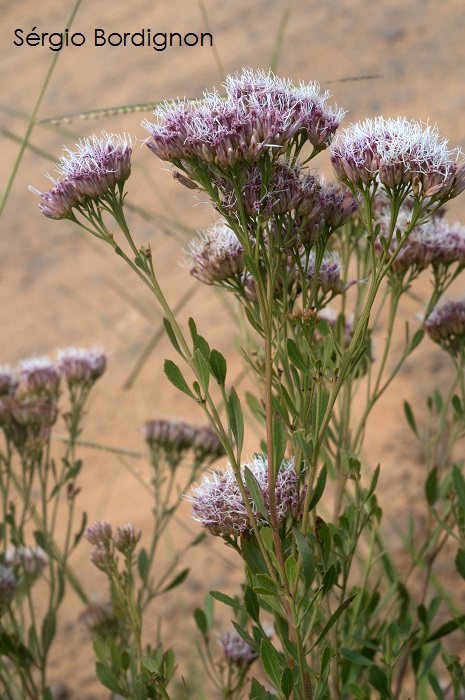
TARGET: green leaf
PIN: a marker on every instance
(174, 375)
(198, 341)
(287, 682)
(254, 322)
(459, 483)
(176, 581)
(236, 419)
(410, 417)
(460, 562)
(218, 366)
(323, 537)
(379, 680)
(446, 628)
(431, 486)
(270, 661)
(416, 340)
(291, 570)
(48, 631)
(319, 488)
(279, 437)
(143, 564)
(203, 369)
(253, 557)
(227, 600)
(201, 621)
(355, 657)
(108, 679)
(258, 692)
(172, 337)
(255, 492)
(255, 407)
(435, 686)
(333, 619)
(306, 554)
(296, 357)
(252, 604)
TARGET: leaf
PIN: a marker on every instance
(416, 340)
(218, 366)
(198, 341)
(410, 417)
(252, 604)
(48, 631)
(431, 486)
(460, 562)
(306, 554)
(279, 437)
(176, 581)
(323, 537)
(143, 564)
(108, 679)
(172, 337)
(227, 600)
(256, 325)
(203, 369)
(236, 419)
(287, 682)
(379, 680)
(255, 492)
(201, 621)
(333, 619)
(446, 629)
(176, 378)
(319, 488)
(355, 657)
(255, 406)
(296, 357)
(459, 483)
(258, 692)
(291, 570)
(270, 661)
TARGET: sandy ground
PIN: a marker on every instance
(59, 287)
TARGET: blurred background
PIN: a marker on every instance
(59, 287)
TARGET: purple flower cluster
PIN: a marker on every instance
(215, 256)
(446, 325)
(236, 650)
(175, 438)
(8, 586)
(217, 501)
(260, 113)
(104, 542)
(99, 166)
(398, 152)
(435, 243)
(328, 274)
(29, 561)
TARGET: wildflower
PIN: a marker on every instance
(30, 561)
(397, 152)
(40, 378)
(170, 435)
(206, 444)
(80, 366)
(100, 533)
(8, 585)
(446, 325)
(236, 650)
(8, 382)
(99, 166)
(100, 620)
(33, 418)
(261, 114)
(102, 556)
(126, 538)
(215, 256)
(328, 274)
(217, 501)
(435, 242)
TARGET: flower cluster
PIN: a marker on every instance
(175, 438)
(80, 366)
(8, 586)
(215, 256)
(218, 505)
(104, 542)
(261, 113)
(28, 561)
(446, 325)
(435, 243)
(236, 650)
(99, 166)
(328, 273)
(398, 153)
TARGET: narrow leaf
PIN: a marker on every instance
(333, 619)
(252, 604)
(236, 419)
(410, 417)
(227, 600)
(174, 375)
(255, 492)
(176, 581)
(319, 488)
(218, 366)
(287, 682)
(308, 559)
(172, 337)
(270, 661)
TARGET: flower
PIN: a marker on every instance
(40, 378)
(215, 255)
(80, 366)
(8, 382)
(31, 560)
(8, 585)
(171, 435)
(217, 501)
(397, 152)
(99, 166)
(236, 650)
(328, 274)
(446, 325)
(126, 538)
(260, 114)
(100, 533)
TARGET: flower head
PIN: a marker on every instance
(30, 561)
(100, 533)
(328, 274)
(217, 501)
(126, 538)
(40, 378)
(8, 585)
(8, 381)
(80, 366)
(236, 650)
(215, 255)
(397, 152)
(99, 166)
(446, 325)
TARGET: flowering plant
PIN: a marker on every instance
(345, 623)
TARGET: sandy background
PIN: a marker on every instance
(59, 287)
